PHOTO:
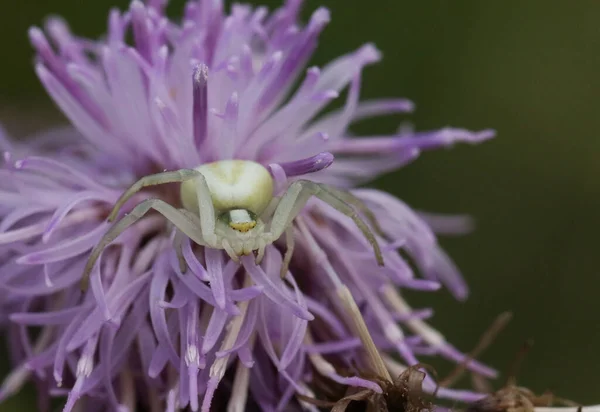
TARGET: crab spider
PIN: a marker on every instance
(226, 204)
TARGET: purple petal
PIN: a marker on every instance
(276, 293)
(450, 352)
(246, 330)
(106, 349)
(140, 29)
(158, 287)
(117, 304)
(214, 266)
(298, 332)
(229, 134)
(48, 318)
(61, 350)
(326, 315)
(309, 165)
(249, 293)
(297, 57)
(217, 322)
(62, 211)
(81, 118)
(333, 347)
(146, 343)
(415, 314)
(18, 214)
(98, 292)
(200, 108)
(122, 343)
(192, 261)
(70, 248)
(198, 288)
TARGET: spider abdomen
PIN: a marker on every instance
(233, 184)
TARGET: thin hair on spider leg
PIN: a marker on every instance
(355, 201)
(172, 214)
(177, 176)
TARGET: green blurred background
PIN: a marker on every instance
(529, 69)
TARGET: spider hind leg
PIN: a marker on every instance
(179, 219)
(301, 191)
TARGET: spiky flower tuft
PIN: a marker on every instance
(214, 86)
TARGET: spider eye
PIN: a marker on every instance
(241, 220)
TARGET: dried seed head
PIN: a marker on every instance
(513, 398)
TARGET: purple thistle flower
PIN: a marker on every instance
(214, 87)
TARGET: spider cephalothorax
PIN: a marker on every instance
(227, 205)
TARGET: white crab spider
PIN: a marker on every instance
(226, 204)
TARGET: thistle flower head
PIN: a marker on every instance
(215, 86)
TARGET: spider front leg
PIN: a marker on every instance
(176, 217)
(205, 207)
(177, 176)
(296, 197)
(289, 251)
(352, 200)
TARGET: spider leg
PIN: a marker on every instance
(178, 245)
(177, 176)
(175, 216)
(289, 206)
(230, 252)
(177, 242)
(272, 206)
(296, 197)
(262, 244)
(352, 200)
(208, 234)
(287, 258)
(265, 215)
(206, 210)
